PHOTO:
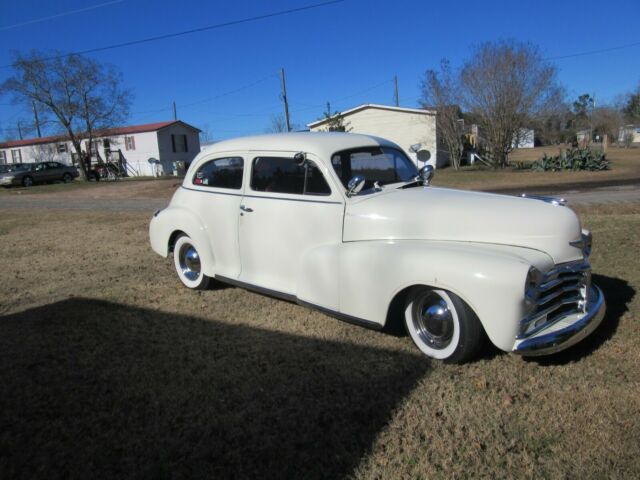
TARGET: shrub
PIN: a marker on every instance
(572, 159)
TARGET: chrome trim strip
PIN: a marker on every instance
(254, 288)
(556, 341)
(342, 316)
(263, 196)
(557, 201)
(292, 298)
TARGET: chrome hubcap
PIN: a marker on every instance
(433, 320)
(189, 261)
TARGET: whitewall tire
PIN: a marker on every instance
(441, 325)
(189, 264)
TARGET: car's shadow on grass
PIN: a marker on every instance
(618, 294)
(92, 389)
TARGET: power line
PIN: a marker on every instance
(194, 30)
(230, 92)
(58, 15)
(360, 92)
(593, 52)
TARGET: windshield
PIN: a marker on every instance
(383, 165)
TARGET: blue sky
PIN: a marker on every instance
(346, 53)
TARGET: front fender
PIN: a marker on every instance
(173, 219)
(489, 278)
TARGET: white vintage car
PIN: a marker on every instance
(347, 225)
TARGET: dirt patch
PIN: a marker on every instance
(110, 368)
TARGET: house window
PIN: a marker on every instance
(3, 158)
(284, 175)
(179, 143)
(16, 156)
(62, 148)
(130, 143)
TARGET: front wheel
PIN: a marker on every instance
(66, 178)
(188, 264)
(442, 325)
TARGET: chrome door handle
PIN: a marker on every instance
(246, 209)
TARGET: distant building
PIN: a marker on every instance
(524, 139)
(629, 130)
(149, 149)
(413, 129)
(583, 136)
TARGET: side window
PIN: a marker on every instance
(283, 175)
(220, 173)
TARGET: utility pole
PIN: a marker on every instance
(395, 91)
(175, 112)
(35, 114)
(284, 99)
(19, 130)
(329, 109)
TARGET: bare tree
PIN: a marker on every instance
(631, 108)
(206, 135)
(440, 91)
(277, 124)
(607, 120)
(83, 95)
(335, 121)
(505, 85)
(43, 153)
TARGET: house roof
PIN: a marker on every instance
(420, 111)
(108, 132)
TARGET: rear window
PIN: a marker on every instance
(220, 173)
(284, 175)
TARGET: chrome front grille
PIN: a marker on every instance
(561, 292)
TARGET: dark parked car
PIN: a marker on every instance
(42, 172)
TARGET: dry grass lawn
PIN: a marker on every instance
(110, 369)
(625, 166)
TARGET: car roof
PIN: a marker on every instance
(323, 144)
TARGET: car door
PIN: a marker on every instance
(288, 210)
(216, 188)
(54, 171)
(40, 172)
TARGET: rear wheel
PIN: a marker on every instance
(188, 264)
(442, 325)
(27, 181)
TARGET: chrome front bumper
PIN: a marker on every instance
(566, 332)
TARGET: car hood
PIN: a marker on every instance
(441, 214)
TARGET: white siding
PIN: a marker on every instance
(165, 145)
(141, 158)
(149, 150)
(46, 152)
(402, 127)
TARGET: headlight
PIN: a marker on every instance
(584, 244)
(587, 240)
(534, 276)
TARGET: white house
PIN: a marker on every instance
(149, 149)
(630, 131)
(414, 129)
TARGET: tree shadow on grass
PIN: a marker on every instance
(618, 294)
(92, 389)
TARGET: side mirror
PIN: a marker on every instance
(426, 174)
(355, 185)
